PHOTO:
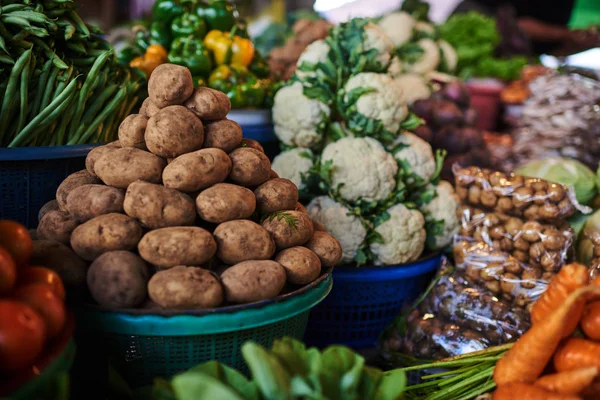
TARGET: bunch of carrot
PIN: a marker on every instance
(554, 360)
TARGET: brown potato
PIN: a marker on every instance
(62, 260)
(174, 131)
(57, 225)
(97, 152)
(302, 266)
(108, 232)
(209, 104)
(148, 108)
(185, 288)
(273, 175)
(196, 171)
(121, 167)
(224, 134)
(276, 195)
(225, 202)
(170, 85)
(156, 206)
(89, 201)
(243, 240)
(301, 208)
(253, 144)
(289, 228)
(185, 245)
(49, 206)
(326, 247)
(253, 280)
(72, 181)
(318, 227)
(131, 131)
(250, 167)
(118, 279)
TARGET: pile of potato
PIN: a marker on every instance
(183, 210)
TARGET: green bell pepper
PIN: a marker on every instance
(240, 85)
(160, 33)
(188, 24)
(142, 37)
(189, 52)
(259, 66)
(167, 10)
(218, 14)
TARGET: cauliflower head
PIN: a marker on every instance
(403, 236)
(443, 208)
(398, 26)
(366, 170)
(376, 38)
(346, 228)
(385, 103)
(291, 164)
(449, 55)
(429, 60)
(415, 156)
(298, 120)
(414, 87)
(315, 53)
(396, 68)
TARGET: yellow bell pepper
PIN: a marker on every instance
(229, 49)
(155, 55)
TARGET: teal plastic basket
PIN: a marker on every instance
(142, 346)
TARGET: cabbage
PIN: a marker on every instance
(585, 247)
(567, 171)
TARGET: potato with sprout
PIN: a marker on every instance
(289, 228)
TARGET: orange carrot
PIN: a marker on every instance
(523, 391)
(570, 278)
(590, 322)
(568, 382)
(527, 358)
(577, 353)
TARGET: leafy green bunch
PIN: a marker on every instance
(287, 371)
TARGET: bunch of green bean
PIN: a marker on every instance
(60, 83)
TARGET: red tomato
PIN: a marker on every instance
(15, 238)
(22, 335)
(44, 275)
(43, 300)
(8, 271)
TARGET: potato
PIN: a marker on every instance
(209, 104)
(185, 288)
(174, 131)
(170, 85)
(33, 234)
(301, 265)
(156, 206)
(249, 167)
(318, 227)
(89, 201)
(185, 245)
(243, 240)
(72, 181)
(196, 171)
(253, 144)
(273, 174)
(118, 279)
(224, 134)
(225, 202)
(108, 232)
(62, 260)
(276, 195)
(97, 152)
(49, 206)
(253, 280)
(131, 131)
(326, 247)
(289, 228)
(301, 208)
(148, 108)
(56, 225)
(121, 167)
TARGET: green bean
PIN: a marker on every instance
(24, 94)
(3, 45)
(41, 86)
(12, 7)
(93, 109)
(79, 23)
(15, 21)
(61, 128)
(110, 108)
(63, 82)
(11, 88)
(83, 62)
(32, 16)
(51, 112)
(77, 47)
(49, 88)
(6, 60)
(69, 31)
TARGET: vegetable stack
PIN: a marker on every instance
(59, 81)
(159, 197)
(343, 122)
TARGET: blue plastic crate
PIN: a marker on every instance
(364, 301)
(258, 125)
(29, 177)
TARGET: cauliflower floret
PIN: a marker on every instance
(291, 164)
(414, 87)
(398, 26)
(417, 155)
(376, 38)
(425, 27)
(315, 53)
(346, 228)
(396, 68)
(297, 119)
(386, 103)
(449, 55)
(403, 237)
(430, 58)
(364, 168)
(443, 207)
